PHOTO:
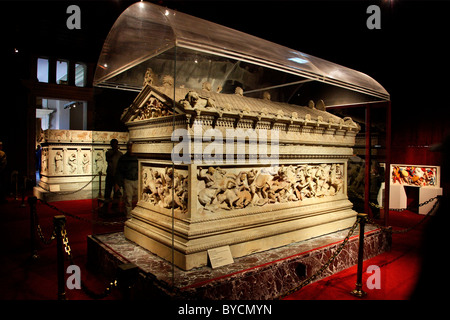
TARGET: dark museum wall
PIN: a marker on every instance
(408, 56)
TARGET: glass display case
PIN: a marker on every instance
(174, 61)
(193, 51)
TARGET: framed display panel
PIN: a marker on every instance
(415, 175)
(405, 178)
(202, 79)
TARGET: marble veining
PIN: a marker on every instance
(263, 275)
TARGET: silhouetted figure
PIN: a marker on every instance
(112, 158)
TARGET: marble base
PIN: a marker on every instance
(48, 196)
(259, 276)
(68, 187)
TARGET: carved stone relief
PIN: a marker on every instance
(79, 136)
(99, 161)
(72, 162)
(236, 189)
(58, 162)
(44, 160)
(85, 162)
(153, 108)
(165, 187)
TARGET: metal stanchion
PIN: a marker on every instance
(100, 184)
(59, 223)
(358, 292)
(32, 202)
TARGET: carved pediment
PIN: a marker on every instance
(155, 101)
(149, 104)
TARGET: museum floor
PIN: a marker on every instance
(23, 278)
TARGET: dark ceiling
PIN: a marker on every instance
(408, 56)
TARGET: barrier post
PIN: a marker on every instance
(127, 275)
(59, 223)
(32, 202)
(358, 292)
(100, 184)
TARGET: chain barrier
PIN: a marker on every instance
(389, 229)
(377, 206)
(344, 242)
(113, 284)
(42, 238)
(319, 272)
(67, 249)
(35, 225)
(91, 221)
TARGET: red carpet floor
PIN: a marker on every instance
(22, 278)
(399, 269)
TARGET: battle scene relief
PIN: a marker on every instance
(165, 187)
(227, 189)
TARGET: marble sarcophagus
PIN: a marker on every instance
(221, 169)
(236, 149)
(71, 161)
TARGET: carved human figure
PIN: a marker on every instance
(85, 162)
(58, 159)
(99, 162)
(44, 160)
(72, 162)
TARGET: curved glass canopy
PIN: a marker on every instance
(194, 51)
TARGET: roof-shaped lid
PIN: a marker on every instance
(146, 32)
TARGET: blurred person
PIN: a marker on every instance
(127, 176)
(112, 158)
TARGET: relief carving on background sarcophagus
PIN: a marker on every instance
(72, 160)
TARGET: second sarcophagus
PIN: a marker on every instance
(227, 170)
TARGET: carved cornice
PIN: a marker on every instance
(203, 106)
